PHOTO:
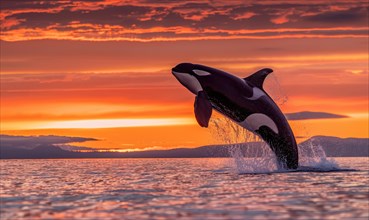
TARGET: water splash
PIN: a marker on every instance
(256, 157)
(312, 154)
(248, 152)
(274, 89)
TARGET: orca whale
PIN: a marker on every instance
(244, 101)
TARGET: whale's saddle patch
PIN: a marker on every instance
(203, 109)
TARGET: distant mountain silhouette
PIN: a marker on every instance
(342, 147)
(333, 147)
(31, 142)
(312, 115)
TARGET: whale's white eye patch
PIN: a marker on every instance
(201, 72)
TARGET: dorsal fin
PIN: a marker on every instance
(257, 79)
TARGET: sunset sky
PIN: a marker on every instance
(101, 69)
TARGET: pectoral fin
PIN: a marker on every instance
(203, 109)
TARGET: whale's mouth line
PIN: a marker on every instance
(174, 72)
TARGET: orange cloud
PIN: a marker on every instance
(91, 32)
(283, 17)
(145, 22)
(8, 23)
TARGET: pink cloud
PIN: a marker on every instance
(8, 23)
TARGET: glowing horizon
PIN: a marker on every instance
(96, 123)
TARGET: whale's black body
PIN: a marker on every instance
(243, 101)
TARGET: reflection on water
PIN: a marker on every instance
(177, 188)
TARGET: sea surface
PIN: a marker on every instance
(182, 189)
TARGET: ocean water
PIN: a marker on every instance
(215, 188)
